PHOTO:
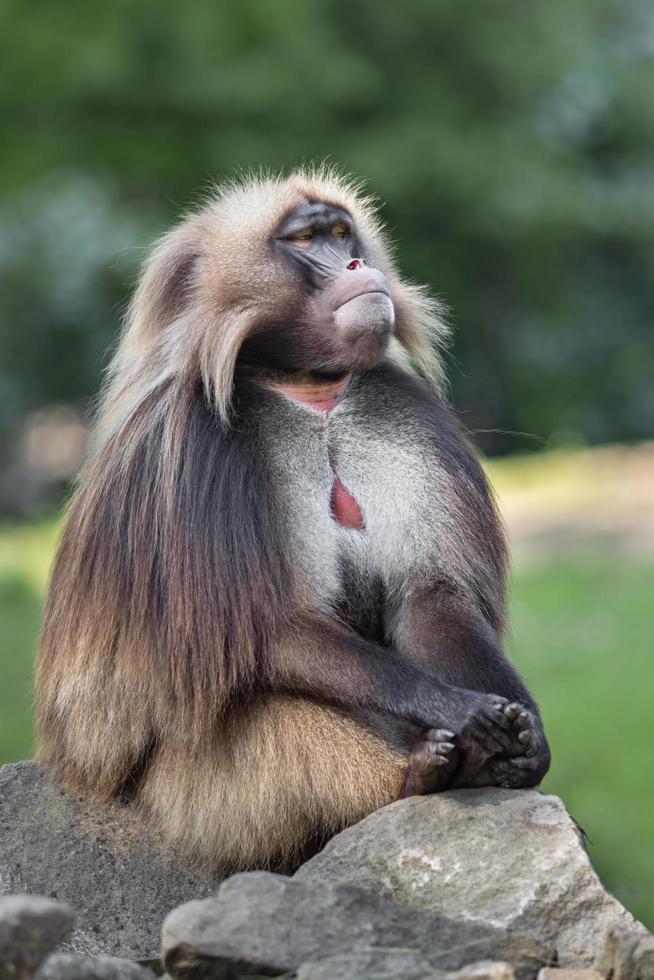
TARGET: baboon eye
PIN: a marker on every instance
(302, 239)
(340, 231)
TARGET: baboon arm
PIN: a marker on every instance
(446, 635)
(332, 663)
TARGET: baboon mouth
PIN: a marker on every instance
(364, 292)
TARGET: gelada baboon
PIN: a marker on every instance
(278, 599)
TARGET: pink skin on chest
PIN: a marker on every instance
(345, 510)
(323, 398)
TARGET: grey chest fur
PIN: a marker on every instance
(386, 474)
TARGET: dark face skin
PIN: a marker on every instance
(345, 314)
(320, 240)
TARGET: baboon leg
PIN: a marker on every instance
(280, 775)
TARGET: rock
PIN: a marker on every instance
(511, 859)
(397, 965)
(626, 955)
(556, 973)
(72, 966)
(96, 858)
(266, 924)
(484, 970)
(30, 928)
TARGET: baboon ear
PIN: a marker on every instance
(167, 282)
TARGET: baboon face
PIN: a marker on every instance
(344, 314)
(281, 277)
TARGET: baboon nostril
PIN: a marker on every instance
(355, 264)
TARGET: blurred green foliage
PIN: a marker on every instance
(512, 142)
(582, 638)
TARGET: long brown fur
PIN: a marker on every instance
(159, 619)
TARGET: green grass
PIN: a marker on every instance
(25, 555)
(582, 637)
(19, 623)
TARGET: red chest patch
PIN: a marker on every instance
(345, 510)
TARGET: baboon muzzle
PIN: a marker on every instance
(362, 304)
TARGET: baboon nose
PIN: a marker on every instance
(355, 264)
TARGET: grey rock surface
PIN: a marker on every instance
(626, 955)
(76, 966)
(30, 927)
(561, 973)
(98, 859)
(266, 924)
(397, 965)
(510, 859)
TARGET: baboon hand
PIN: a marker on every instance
(484, 725)
(522, 764)
(527, 768)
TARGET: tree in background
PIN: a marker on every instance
(512, 142)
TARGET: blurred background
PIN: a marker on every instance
(512, 147)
